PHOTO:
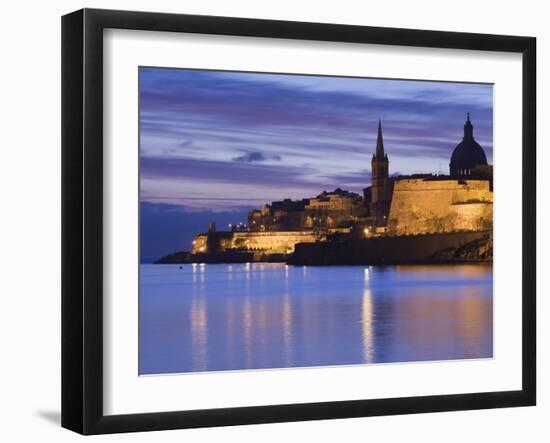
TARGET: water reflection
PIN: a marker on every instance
(247, 331)
(239, 316)
(198, 332)
(368, 332)
(287, 330)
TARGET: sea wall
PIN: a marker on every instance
(424, 248)
(430, 206)
(277, 242)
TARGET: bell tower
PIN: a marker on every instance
(380, 183)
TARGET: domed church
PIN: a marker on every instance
(468, 157)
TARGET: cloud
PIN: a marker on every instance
(351, 179)
(219, 185)
(256, 156)
(220, 137)
(221, 111)
(223, 171)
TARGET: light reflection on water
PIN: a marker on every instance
(261, 315)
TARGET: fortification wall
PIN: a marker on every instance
(271, 242)
(199, 244)
(278, 242)
(429, 206)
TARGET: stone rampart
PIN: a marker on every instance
(275, 242)
(271, 242)
(430, 206)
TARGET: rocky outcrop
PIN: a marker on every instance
(477, 250)
(468, 246)
(228, 256)
(176, 257)
(456, 247)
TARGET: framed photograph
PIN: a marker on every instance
(269, 221)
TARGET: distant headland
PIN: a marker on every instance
(420, 218)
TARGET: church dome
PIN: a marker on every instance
(467, 154)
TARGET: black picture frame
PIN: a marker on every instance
(82, 216)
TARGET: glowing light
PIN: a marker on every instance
(368, 320)
(366, 231)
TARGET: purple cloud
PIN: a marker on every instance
(251, 157)
(249, 133)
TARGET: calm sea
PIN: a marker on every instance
(251, 316)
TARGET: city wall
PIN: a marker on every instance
(429, 206)
(277, 242)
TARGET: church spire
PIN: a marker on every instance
(379, 142)
(380, 189)
(468, 128)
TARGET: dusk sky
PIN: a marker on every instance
(221, 142)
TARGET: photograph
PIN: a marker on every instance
(283, 219)
(294, 220)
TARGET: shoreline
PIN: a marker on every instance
(441, 248)
(403, 263)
